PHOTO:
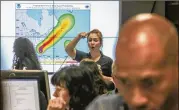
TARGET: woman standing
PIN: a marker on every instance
(94, 40)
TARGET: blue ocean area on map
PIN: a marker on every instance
(51, 12)
(35, 14)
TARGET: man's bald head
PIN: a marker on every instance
(147, 63)
(147, 39)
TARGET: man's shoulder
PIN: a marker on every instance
(107, 98)
(107, 102)
(110, 98)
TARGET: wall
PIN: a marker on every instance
(130, 8)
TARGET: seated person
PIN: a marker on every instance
(99, 78)
(25, 56)
(74, 89)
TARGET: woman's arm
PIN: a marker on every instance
(70, 48)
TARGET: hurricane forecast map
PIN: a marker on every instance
(51, 27)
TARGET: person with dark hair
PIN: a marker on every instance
(95, 42)
(101, 84)
(74, 89)
(25, 56)
(98, 81)
(147, 79)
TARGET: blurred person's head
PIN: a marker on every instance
(101, 84)
(74, 86)
(94, 39)
(25, 54)
(92, 68)
(147, 63)
(92, 65)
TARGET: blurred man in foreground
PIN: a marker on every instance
(146, 66)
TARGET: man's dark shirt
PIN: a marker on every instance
(107, 102)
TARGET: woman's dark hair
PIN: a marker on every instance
(25, 54)
(91, 68)
(78, 83)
